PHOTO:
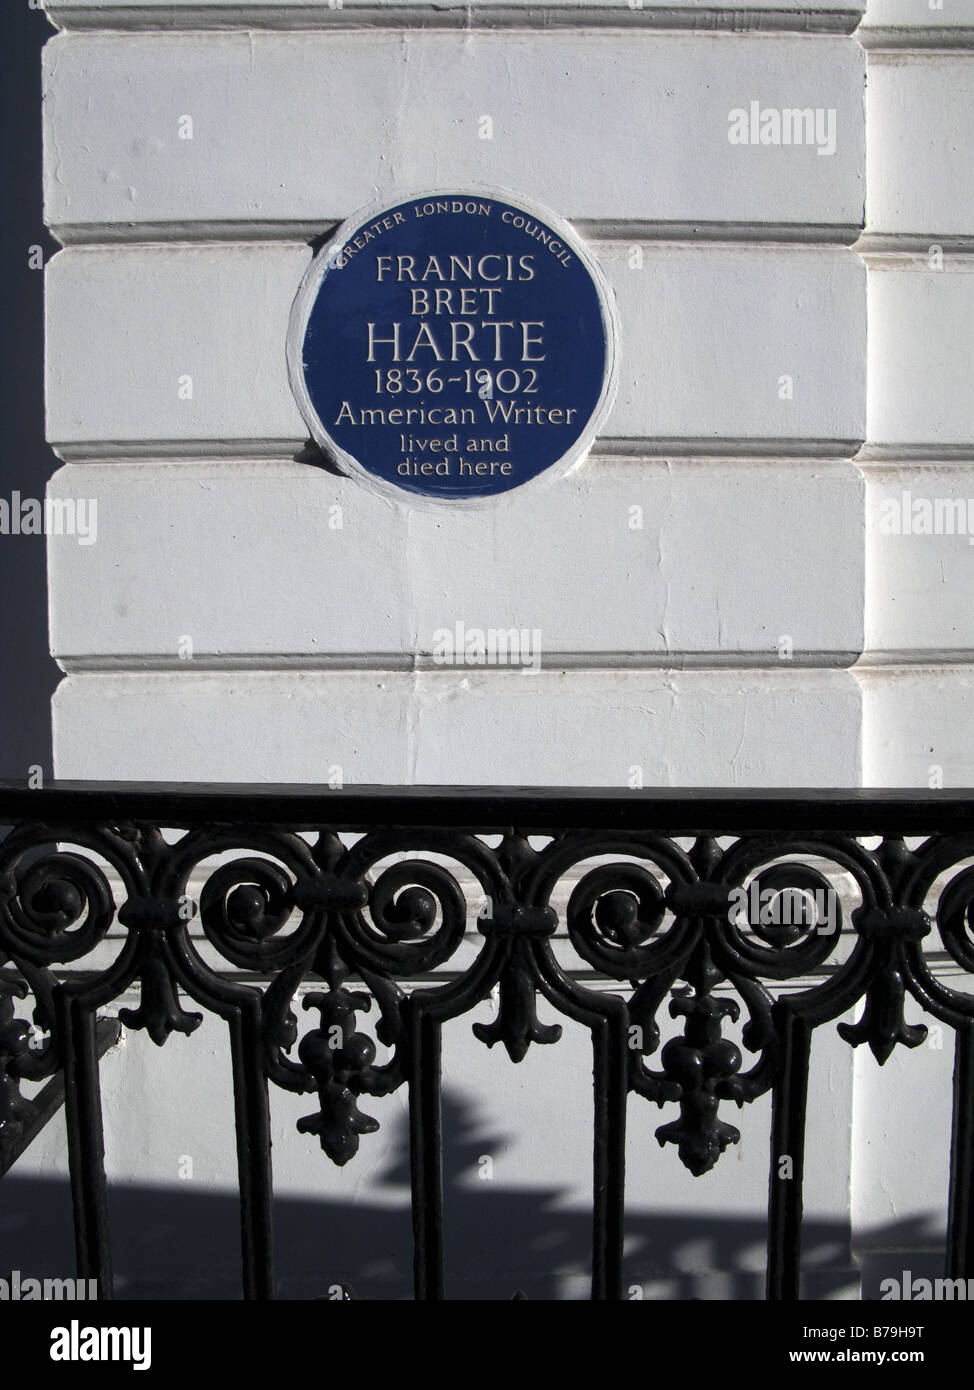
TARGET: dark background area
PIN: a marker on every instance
(28, 676)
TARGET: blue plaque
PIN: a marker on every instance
(455, 346)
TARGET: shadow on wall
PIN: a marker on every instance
(181, 1243)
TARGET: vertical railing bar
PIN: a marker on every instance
(253, 1135)
(610, 1090)
(86, 1143)
(426, 1153)
(789, 1101)
(960, 1228)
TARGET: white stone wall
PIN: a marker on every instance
(717, 600)
(691, 543)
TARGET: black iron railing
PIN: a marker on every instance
(731, 893)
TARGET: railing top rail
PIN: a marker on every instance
(674, 811)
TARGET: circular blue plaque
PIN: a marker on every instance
(455, 346)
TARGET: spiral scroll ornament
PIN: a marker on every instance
(57, 908)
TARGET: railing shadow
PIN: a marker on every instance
(182, 1242)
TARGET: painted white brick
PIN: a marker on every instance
(713, 338)
(921, 132)
(917, 726)
(903, 1201)
(643, 557)
(707, 334)
(921, 352)
(604, 125)
(127, 327)
(694, 728)
(919, 586)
